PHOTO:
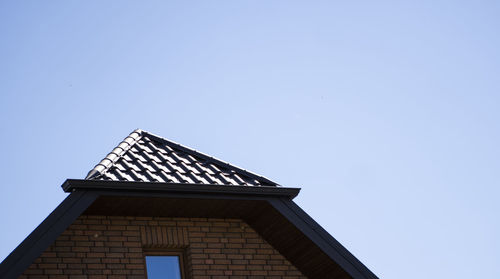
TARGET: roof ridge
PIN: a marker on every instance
(210, 158)
(115, 154)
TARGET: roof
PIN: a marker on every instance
(146, 174)
(144, 157)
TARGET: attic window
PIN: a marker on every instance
(164, 265)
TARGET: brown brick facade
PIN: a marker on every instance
(98, 247)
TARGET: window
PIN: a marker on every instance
(164, 265)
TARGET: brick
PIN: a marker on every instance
(217, 249)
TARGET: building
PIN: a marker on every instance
(152, 203)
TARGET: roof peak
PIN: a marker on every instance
(146, 157)
(115, 154)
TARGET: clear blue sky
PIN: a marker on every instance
(386, 113)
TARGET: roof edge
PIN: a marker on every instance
(332, 247)
(45, 233)
(71, 185)
(115, 154)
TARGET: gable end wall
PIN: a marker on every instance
(112, 247)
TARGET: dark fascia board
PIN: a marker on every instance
(322, 238)
(102, 185)
(46, 233)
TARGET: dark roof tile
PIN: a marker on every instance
(145, 157)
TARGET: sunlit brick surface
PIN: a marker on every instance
(97, 247)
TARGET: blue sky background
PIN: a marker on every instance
(386, 113)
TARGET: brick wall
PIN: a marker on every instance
(98, 247)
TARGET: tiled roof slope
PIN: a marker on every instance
(145, 157)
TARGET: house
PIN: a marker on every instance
(152, 206)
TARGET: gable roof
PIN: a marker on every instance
(145, 157)
(147, 174)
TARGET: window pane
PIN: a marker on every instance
(163, 267)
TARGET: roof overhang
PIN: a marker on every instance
(268, 210)
(156, 187)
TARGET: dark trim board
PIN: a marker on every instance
(322, 238)
(46, 233)
(149, 187)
